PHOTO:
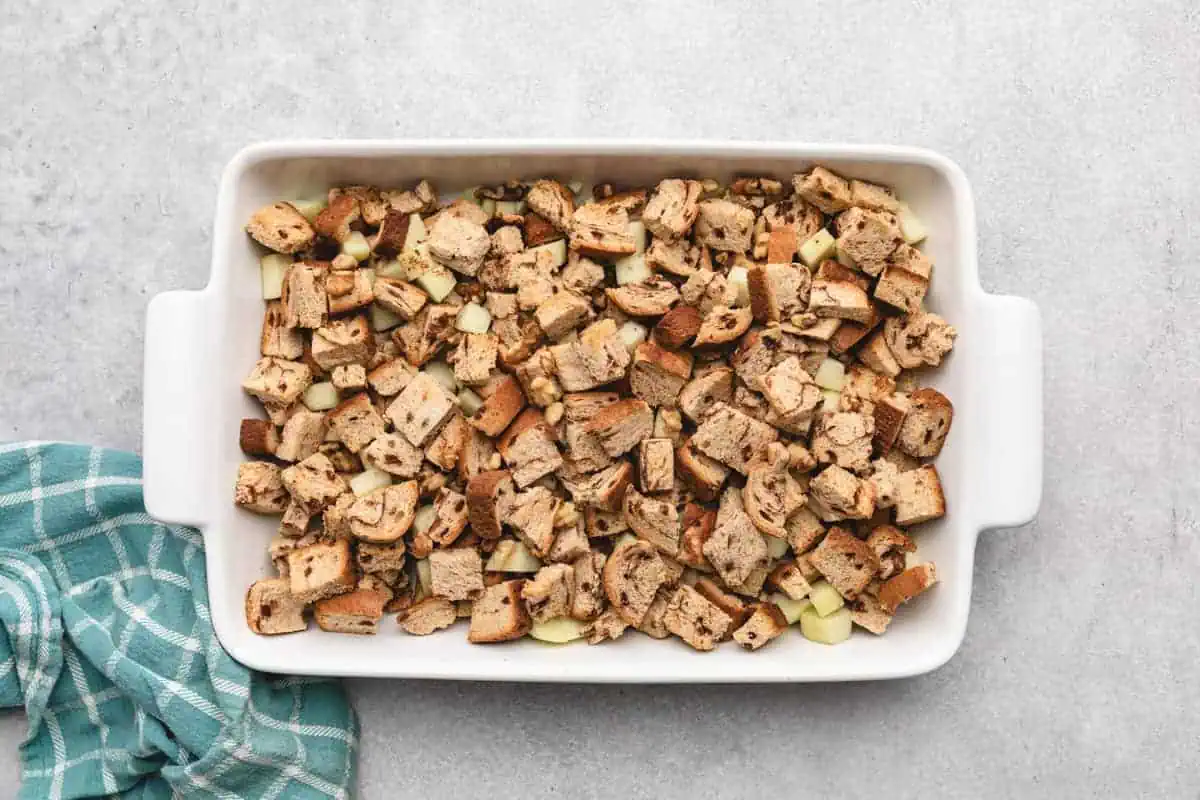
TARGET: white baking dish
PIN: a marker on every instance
(200, 345)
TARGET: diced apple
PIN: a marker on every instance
(791, 608)
(845, 260)
(423, 519)
(368, 481)
(356, 245)
(437, 283)
(382, 319)
(391, 268)
(489, 206)
(309, 208)
(776, 548)
(512, 556)
(632, 269)
(468, 194)
(558, 630)
(473, 318)
(557, 249)
(273, 268)
(443, 373)
(832, 401)
(911, 227)
(825, 598)
(820, 246)
(510, 207)
(831, 375)
(832, 629)
(416, 232)
(469, 402)
(424, 576)
(638, 229)
(320, 396)
(632, 334)
(739, 279)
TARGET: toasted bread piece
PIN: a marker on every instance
(925, 426)
(420, 409)
(919, 496)
(321, 570)
(384, 515)
(656, 465)
(733, 438)
(672, 209)
(844, 438)
(890, 546)
(652, 298)
(271, 609)
(313, 482)
(588, 599)
(658, 375)
(355, 422)
(499, 614)
(620, 426)
(606, 627)
(260, 488)
(824, 189)
(701, 395)
(553, 202)
(277, 339)
(356, 612)
(868, 237)
(277, 382)
(724, 225)
(907, 585)
(766, 623)
(258, 437)
(488, 497)
(427, 616)
(450, 517)
(723, 325)
(456, 573)
(678, 326)
(731, 604)
(656, 521)
(532, 515)
(736, 548)
(604, 489)
(602, 231)
(840, 300)
(548, 594)
(563, 312)
(280, 227)
(804, 530)
(845, 561)
(697, 524)
(703, 474)
(695, 619)
(919, 339)
(777, 291)
(842, 493)
(632, 576)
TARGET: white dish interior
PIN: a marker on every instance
(200, 345)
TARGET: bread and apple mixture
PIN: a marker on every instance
(689, 409)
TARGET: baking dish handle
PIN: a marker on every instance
(174, 416)
(1011, 491)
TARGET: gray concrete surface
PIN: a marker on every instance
(1076, 121)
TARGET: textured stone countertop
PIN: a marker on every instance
(1077, 128)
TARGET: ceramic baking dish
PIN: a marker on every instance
(200, 345)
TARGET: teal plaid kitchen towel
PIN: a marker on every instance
(108, 644)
